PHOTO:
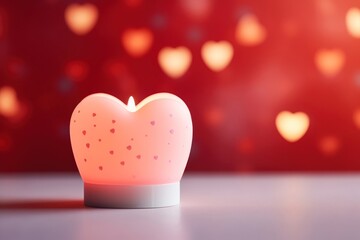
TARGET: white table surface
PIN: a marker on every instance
(263, 207)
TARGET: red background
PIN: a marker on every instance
(52, 68)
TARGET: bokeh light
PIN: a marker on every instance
(329, 145)
(199, 9)
(9, 105)
(268, 90)
(330, 61)
(249, 31)
(353, 22)
(356, 117)
(175, 61)
(81, 18)
(137, 42)
(292, 126)
(217, 55)
(77, 70)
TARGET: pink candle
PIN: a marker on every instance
(131, 156)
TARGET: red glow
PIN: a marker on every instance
(329, 145)
(76, 70)
(137, 42)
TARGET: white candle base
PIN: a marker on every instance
(131, 196)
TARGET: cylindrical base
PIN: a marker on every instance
(131, 196)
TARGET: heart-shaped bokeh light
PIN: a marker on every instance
(9, 104)
(249, 31)
(292, 126)
(81, 18)
(330, 61)
(217, 55)
(137, 42)
(175, 61)
(353, 22)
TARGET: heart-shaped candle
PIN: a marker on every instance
(131, 156)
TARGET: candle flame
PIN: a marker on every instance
(131, 104)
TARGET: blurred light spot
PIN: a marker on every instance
(127, 85)
(158, 21)
(214, 116)
(329, 61)
(326, 7)
(290, 29)
(242, 10)
(9, 105)
(292, 126)
(353, 22)
(137, 42)
(356, 118)
(76, 70)
(198, 9)
(16, 68)
(246, 146)
(194, 34)
(5, 142)
(249, 31)
(81, 18)
(217, 55)
(133, 3)
(329, 145)
(357, 78)
(117, 71)
(65, 85)
(175, 61)
(63, 130)
(114, 69)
